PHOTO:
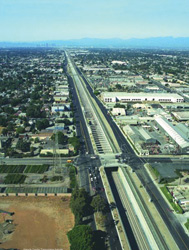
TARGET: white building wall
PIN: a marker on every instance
(109, 99)
(57, 108)
(141, 97)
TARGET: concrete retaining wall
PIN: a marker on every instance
(139, 212)
(33, 194)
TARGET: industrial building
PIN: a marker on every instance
(118, 111)
(177, 134)
(181, 116)
(141, 97)
(146, 136)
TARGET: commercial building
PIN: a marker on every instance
(141, 97)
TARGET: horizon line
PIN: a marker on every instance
(113, 38)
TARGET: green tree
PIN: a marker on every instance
(75, 142)
(36, 140)
(35, 95)
(23, 145)
(98, 203)
(128, 106)
(34, 111)
(5, 131)
(81, 238)
(8, 110)
(3, 121)
(118, 86)
(15, 102)
(10, 126)
(42, 124)
(78, 203)
(62, 139)
(118, 105)
(67, 122)
(20, 130)
(96, 92)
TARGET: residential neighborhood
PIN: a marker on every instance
(36, 103)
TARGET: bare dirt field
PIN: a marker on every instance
(41, 222)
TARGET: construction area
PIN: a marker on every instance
(35, 222)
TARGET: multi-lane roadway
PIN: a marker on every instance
(137, 163)
(88, 162)
(85, 162)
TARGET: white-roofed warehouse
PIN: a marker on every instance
(141, 97)
(173, 133)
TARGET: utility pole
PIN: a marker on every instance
(56, 154)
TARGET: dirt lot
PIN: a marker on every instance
(41, 222)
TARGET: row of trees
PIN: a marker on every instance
(81, 236)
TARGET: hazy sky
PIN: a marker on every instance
(31, 20)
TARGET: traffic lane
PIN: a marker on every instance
(97, 187)
(30, 161)
(83, 164)
(169, 218)
(122, 140)
(84, 130)
(83, 177)
(80, 116)
(110, 228)
(175, 229)
(122, 212)
(119, 136)
(124, 145)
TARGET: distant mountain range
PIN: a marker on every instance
(156, 42)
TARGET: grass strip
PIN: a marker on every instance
(38, 169)
(11, 169)
(72, 175)
(187, 224)
(169, 197)
(14, 179)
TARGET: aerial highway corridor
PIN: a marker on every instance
(101, 132)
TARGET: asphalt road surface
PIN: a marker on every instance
(86, 163)
(137, 163)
